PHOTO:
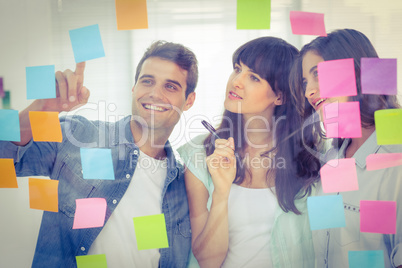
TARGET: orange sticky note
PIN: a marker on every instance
(43, 194)
(8, 178)
(131, 14)
(45, 126)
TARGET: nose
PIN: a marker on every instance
(238, 80)
(156, 91)
(311, 89)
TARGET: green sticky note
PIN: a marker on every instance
(388, 124)
(91, 261)
(253, 14)
(150, 232)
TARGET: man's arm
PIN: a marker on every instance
(70, 93)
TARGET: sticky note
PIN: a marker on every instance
(388, 126)
(9, 125)
(89, 213)
(150, 232)
(43, 194)
(307, 23)
(97, 163)
(41, 82)
(8, 177)
(342, 119)
(91, 261)
(254, 14)
(378, 76)
(337, 78)
(380, 161)
(131, 14)
(339, 175)
(45, 126)
(366, 259)
(6, 99)
(378, 217)
(326, 212)
(86, 43)
(2, 94)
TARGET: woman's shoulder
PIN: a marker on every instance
(192, 147)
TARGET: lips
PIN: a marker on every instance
(234, 96)
(154, 107)
(316, 102)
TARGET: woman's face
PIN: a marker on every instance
(310, 83)
(249, 94)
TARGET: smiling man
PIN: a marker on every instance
(148, 180)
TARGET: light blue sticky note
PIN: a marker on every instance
(86, 43)
(9, 125)
(41, 82)
(326, 212)
(366, 259)
(97, 163)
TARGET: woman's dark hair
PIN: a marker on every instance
(339, 44)
(271, 58)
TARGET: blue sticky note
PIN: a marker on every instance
(326, 212)
(366, 259)
(97, 163)
(41, 82)
(9, 125)
(86, 43)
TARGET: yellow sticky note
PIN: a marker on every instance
(131, 14)
(43, 194)
(388, 124)
(8, 178)
(253, 14)
(91, 261)
(150, 232)
(45, 126)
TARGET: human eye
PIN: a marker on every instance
(254, 78)
(315, 73)
(237, 69)
(304, 84)
(171, 87)
(146, 82)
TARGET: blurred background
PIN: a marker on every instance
(35, 32)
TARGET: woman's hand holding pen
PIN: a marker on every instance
(222, 166)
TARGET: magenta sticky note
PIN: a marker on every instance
(378, 217)
(337, 78)
(342, 119)
(89, 213)
(378, 76)
(307, 23)
(2, 93)
(380, 161)
(339, 175)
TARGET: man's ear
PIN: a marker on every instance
(189, 101)
(279, 99)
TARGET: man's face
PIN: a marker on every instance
(159, 94)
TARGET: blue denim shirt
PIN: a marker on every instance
(58, 243)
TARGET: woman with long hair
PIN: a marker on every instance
(247, 194)
(332, 246)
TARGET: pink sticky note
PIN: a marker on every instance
(307, 23)
(339, 175)
(337, 78)
(378, 217)
(342, 119)
(378, 76)
(89, 213)
(380, 161)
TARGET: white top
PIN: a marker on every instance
(143, 197)
(250, 227)
(332, 245)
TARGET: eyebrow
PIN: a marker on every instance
(312, 69)
(250, 70)
(168, 80)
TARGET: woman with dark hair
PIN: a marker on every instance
(247, 204)
(332, 245)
